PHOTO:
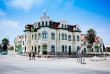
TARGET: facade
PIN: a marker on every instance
(97, 46)
(47, 37)
(18, 43)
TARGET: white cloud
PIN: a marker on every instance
(2, 13)
(8, 22)
(24, 4)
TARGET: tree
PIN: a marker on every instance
(5, 42)
(108, 49)
(90, 37)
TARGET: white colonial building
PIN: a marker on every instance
(47, 37)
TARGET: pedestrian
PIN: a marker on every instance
(33, 56)
(30, 56)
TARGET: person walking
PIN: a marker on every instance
(33, 56)
(30, 56)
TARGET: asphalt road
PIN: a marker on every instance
(21, 65)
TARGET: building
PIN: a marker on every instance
(47, 37)
(97, 46)
(18, 43)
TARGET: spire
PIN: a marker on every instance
(44, 12)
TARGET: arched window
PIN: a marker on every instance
(52, 48)
(65, 36)
(65, 48)
(39, 48)
(42, 23)
(44, 35)
(62, 48)
(62, 36)
(46, 23)
(69, 37)
(77, 37)
(52, 36)
(62, 25)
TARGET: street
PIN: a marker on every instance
(16, 64)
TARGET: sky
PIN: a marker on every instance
(15, 14)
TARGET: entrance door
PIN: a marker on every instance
(69, 50)
(44, 49)
(35, 49)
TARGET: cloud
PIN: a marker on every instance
(6, 22)
(2, 13)
(24, 4)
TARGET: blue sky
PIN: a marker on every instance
(15, 14)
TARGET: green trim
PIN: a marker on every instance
(35, 29)
(26, 30)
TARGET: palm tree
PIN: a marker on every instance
(90, 37)
(5, 42)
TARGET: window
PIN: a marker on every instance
(25, 49)
(23, 42)
(39, 24)
(39, 35)
(35, 36)
(62, 25)
(52, 36)
(62, 36)
(44, 35)
(65, 26)
(39, 48)
(65, 48)
(62, 48)
(84, 43)
(42, 23)
(52, 48)
(32, 36)
(25, 37)
(46, 23)
(77, 37)
(84, 50)
(73, 37)
(69, 37)
(35, 48)
(65, 36)
(59, 36)
(32, 48)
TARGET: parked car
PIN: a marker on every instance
(3, 53)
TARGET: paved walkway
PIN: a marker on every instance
(22, 65)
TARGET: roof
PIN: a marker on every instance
(97, 39)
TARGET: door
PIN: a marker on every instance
(44, 49)
(69, 50)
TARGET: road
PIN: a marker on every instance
(22, 65)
